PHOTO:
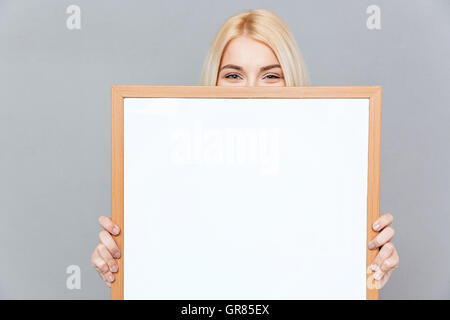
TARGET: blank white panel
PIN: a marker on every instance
(245, 198)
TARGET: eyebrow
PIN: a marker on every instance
(233, 66)
(270, 67)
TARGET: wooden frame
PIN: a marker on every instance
(118, 93)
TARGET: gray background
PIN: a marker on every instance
(55, 119)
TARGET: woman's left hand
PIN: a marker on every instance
(387, 259)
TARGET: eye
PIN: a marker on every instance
(233, 76)
(271, 76)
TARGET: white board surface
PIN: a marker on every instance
(245, 198)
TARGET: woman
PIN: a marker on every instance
(254, 48)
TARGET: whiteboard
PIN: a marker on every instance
(245, 198)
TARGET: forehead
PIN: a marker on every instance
(247, 52)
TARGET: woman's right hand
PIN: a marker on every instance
(104, 255)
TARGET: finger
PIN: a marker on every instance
(109, 277)
(385, 252)
(390, 263)
(384, 279)
(107, 257)
(104, 279)
(384, 271)
(98, 263)
(383, 237)
(109, 225)
(109, 243)
(383, 221)
(106, 282)
(381, 278)
(101, 267)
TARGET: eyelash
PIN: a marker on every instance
(274, 76)
(228, 76)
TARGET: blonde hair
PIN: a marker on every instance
(264, 26)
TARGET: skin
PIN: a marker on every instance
(247, 62)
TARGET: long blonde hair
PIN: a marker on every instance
(264, 26)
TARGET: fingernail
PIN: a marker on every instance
(114, 268)
(376, 227)
(116, 230)
(110, 278)
(378, 275)
(371, 245)
(373, 267)
(117, 255)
